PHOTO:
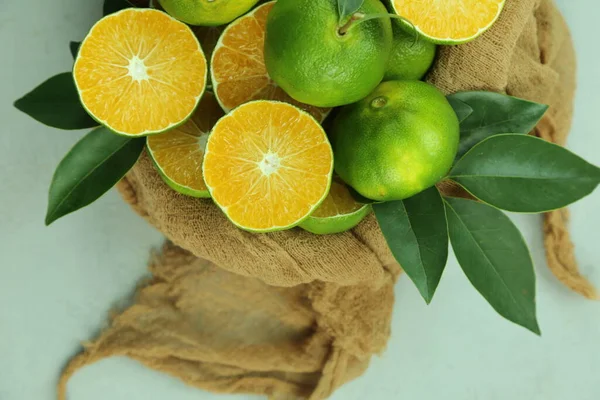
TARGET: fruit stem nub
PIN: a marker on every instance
(342, 30)
(360, 17)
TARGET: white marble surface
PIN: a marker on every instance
(57, 283)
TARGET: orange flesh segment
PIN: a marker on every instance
(450, 19)
(179, 152)
(238, 68)
(339, 201)
(140, 71)
(268, 165)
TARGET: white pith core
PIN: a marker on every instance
(269, 164)
(137, 69)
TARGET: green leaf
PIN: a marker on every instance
(93, 166)
(495, 258)
(74, 47)
(462, 109)
(523, 173)
(112, 6)
(416, 233)
(56, 103)
(495, 113)
(348, 7)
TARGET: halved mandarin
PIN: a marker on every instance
(238, 71)
(140, 72)
(339, 212)
(178, 153)
(449, 21)
(268, 165)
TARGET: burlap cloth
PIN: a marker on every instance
(294, 315)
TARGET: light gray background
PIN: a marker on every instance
(57, 284)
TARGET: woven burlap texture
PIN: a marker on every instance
(528, 53)
(292, 315)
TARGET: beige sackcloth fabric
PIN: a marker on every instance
(292, 315)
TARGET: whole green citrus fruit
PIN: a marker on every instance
(411, 57)
(396, 142)
(207, 12)
(322, 61)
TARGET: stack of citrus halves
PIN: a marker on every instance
(262, 156)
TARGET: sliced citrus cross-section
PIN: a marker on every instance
(178, 153)
(338, 213)
(238, 71)
(450, 21)
(268, 165)
(140, 71)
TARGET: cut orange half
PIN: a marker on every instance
(178, 154)
(140, 71)
(238, 71)
(450, 21)
(268, 165)
(338, 213)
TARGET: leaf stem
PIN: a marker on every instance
(358, 18)
(344, 28)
